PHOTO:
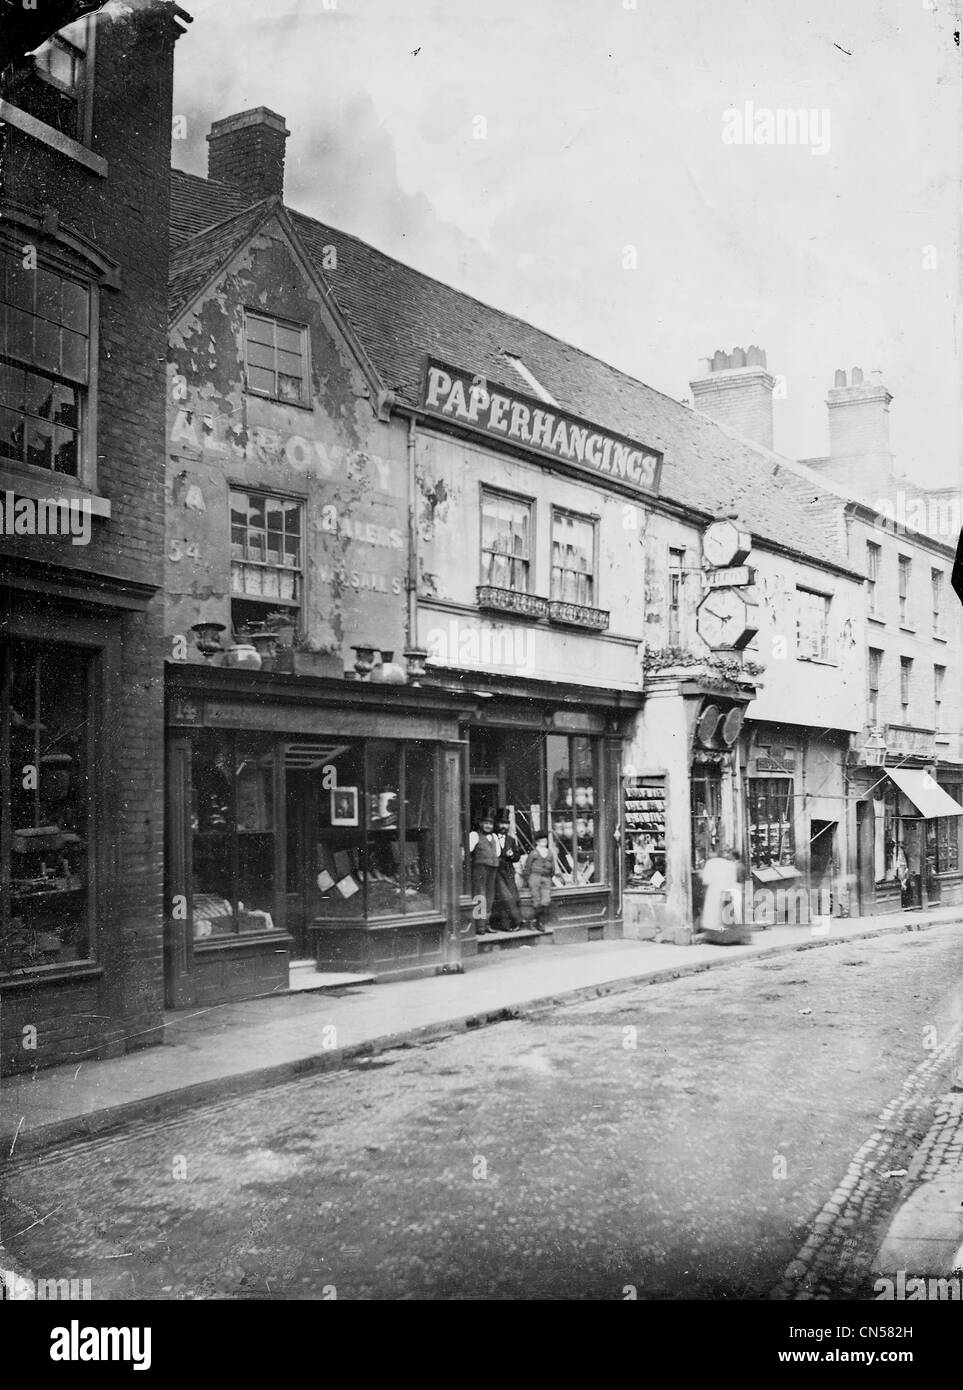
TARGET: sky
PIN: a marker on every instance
(573, 162)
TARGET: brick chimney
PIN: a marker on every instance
(860, 457)
(735, 390)
(247, 150)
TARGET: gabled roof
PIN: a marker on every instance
(198, 259)
(399, 315)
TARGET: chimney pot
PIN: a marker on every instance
(839, 380)
(247, 150)
(756, 357)
(857, 376)
(719, 361)
(738, 358)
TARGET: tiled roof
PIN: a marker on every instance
(196, 260)
(400, 314)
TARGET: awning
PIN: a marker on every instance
(922, 789)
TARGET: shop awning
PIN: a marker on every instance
(922, 789)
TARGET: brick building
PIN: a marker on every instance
(84, 153)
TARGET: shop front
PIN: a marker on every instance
(795, 824)
(908, 828)
(307, 820)
(555, 771)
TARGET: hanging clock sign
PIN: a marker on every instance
(723, 544)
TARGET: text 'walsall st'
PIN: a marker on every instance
(420, 561)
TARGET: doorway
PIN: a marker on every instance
(822, 867)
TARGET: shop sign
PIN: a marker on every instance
(775, 764)
(510, 416)
(910, 742)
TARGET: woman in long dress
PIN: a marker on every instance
(720, 878)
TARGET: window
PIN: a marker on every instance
(939, 674)
(266, 556)
(771, 831)
(948, 834)
(873, 553)
(570, 764)
(874, 670)
(44, 366)
(232, 833)
(373, 837)
(676, 571)
(547, 783)
(52, 83)
(905, 565)
(905, 678)
(812, 628)
(275, 359)
(936, 585)
(506, 537)
(47, 830)
(705, 808)
(573, 558)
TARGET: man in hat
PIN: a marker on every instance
(485, 853)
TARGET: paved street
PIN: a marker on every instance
(678, 1141)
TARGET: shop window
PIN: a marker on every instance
(772, 840)
(232, 832)
(47, 830)
(905, 566)
(573, 558)
(705, 806)
(812, 625)
(44, 366)
(506, 542)
(643, 818)
(873, 554)
(571, 774)
(52, 83)
(544, 783)
(948, 834)
(375, 840)
(275, 359)
(888, 833)
(266, 557)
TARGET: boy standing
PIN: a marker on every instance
(538, 872)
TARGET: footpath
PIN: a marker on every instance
(232, 1049)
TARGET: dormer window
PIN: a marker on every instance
(276, 359)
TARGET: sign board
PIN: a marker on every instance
(508, 415)
(733, 577)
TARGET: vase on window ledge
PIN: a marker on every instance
(243, 655)
(266, 645)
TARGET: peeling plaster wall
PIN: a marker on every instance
(450, 475)
(348, 467)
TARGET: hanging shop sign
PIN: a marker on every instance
(496, 411)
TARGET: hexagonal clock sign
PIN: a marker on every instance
(725, 621)
(724, 544)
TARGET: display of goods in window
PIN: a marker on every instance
(643, 818)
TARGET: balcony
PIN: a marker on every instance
(578, 615)
(511, 601)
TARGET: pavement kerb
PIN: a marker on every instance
(169, 1103)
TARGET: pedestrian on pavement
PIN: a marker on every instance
(507, 912)
(537, 872)
(720, 877)
(485, 852)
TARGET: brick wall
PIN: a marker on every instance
(125, 217)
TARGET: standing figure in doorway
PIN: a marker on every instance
(538, 875)
(485, 851)
(507, 912)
